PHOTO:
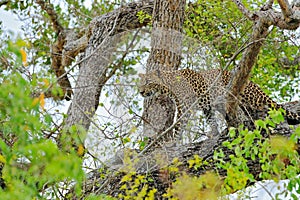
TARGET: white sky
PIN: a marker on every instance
(10, 21)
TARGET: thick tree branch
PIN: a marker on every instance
(146, 163)
(242, 73)
(92, 74)
(273, 17)
(286, 9)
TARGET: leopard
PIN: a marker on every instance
(186, 87)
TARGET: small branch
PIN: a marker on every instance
(244, 10)
(234, 56)
(2, 3)
(46, 6)
(286, 10)
(266, 190)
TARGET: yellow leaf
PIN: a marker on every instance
(80, 150)
(126, 178)
(46, 82)
(42, 100)
(123, 187)
(281, 144)
(35, 101)
(175, 161)
(2, 159)
(24, 57)
(26, 128)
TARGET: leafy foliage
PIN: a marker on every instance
(134, 185)
(277, 156)
(206, 186)
(30, 162)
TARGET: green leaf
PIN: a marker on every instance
(261, 124)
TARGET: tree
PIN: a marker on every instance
(102, 46)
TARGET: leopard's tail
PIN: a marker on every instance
(292, 118)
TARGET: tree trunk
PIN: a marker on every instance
(168, 18)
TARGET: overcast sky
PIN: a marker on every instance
(10, 21)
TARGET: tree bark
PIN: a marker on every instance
(57, 48)
(243, 70)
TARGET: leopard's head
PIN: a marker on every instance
(151, 85)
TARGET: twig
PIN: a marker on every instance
(48, 7)
(244, 10)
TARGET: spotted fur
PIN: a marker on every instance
(185, 86)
